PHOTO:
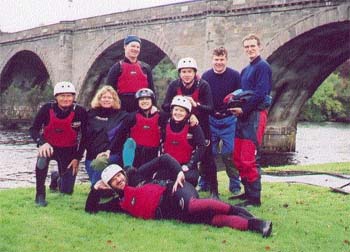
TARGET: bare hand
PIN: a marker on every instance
(193, 102)
(45, 150)
(184, 168)
(100, 185)
(104, 154)
(154, 109)
(193, 120)
(236, 111)
(179, 181)
(74, 164)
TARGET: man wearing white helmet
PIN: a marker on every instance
(135, 192)
(63, 127)
(199, 94)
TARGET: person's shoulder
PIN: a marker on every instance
(232, 71)
(144, 64)
(80, 108)
(207, 73)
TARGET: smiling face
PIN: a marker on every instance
(118, 182)
(178, 114)
(65, 100)
(219, 63)
(132, 51)
(106, 100)
(145, 103)
(251, 48)
(187, 76)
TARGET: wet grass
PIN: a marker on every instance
(305, 218)
(332, 168)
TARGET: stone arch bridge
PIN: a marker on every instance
(304, 41)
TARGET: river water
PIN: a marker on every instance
(315, 143)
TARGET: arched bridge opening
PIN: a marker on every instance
(22, 84)
(299, 68)
(97, 74)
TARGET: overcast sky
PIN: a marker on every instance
(17, 15)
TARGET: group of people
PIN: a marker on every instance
(164, 154)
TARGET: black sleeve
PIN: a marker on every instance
(171, 92)
(93, 204)
(113, 75)
(164, 162)
(206, 98)
(199, 143)
(42, 118)
(82, 116)
(116, 145)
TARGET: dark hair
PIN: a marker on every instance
(220, 51)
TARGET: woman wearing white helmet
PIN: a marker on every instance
(199, 94)
(182, 141)
(172, 198)
(60, 123)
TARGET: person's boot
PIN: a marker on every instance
(241, 196)
(260, 226)
(40, 200)
(54, 181)
(249, 202)
(214, 194)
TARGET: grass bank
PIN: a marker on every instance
(305, 218)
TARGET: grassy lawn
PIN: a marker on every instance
(305, 218)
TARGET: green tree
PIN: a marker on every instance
(327, 103)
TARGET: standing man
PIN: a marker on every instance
(198, 93)
(222, 81)
(129, 75)
(63, 126)
(252, 119)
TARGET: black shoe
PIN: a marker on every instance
(249, 203)
(40, 200)
(260, 226)
(242, 196)
(54, 181)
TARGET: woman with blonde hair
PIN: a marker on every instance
(104, 121)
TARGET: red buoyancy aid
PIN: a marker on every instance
(132, 78)
(146, 131)
(176, 144)
(195, 97)
(142, 202)
(59, 132)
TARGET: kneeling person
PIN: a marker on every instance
(62, 122)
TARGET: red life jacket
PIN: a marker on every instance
(142, 202)
(195, 97)
(146, 131)
(177, 145)
(132, 78)
(59, 132)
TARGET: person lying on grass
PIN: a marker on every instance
(171, 197)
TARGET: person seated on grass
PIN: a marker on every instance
(138, 195)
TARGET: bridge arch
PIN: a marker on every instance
(18, 60)
(302, 56)
(154, 49)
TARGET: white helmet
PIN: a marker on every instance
(181, 101)
(64, 87)
(187, 63)
(110, 171)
